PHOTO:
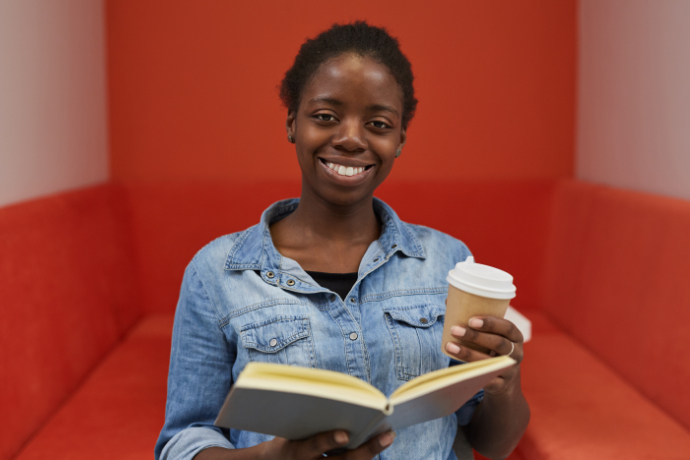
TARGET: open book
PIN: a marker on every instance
(297, 402)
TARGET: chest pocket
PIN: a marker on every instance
(416, 333)
(280, 339)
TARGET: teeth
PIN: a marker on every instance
(345, 170)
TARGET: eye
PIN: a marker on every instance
(327, 117)
(380, 125)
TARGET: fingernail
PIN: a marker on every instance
(387, 439)
(452, 348)
(476, 323)
(341, 437)
(458, 331)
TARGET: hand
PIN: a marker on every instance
(317, 445)
(493, 333)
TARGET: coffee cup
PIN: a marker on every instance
(474, 290)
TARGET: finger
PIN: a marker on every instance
(463, 353)
(499, 344)
(315, 446)
(371, 448)
(495, 325)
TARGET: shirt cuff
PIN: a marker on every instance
(190, 441)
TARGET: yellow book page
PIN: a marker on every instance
(313, 382)
(443, 377)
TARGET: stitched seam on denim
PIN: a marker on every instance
(343, 334)
(365, 354)
(419, 342)
(411, 322)
(284, 342)
(256, 306)
(310, 344)
(243, 267)
(418, 247)
(305, 331)
(404, 292)
(208, 297)
(292, 288)
(238, 244)
(274, 319)
(398, 349)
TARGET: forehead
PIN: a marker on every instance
(354, 79)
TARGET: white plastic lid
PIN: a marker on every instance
(482, 280)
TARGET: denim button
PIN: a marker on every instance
(353, 300)
(273, 342)
(270, 274)
(290, 282)
(423, 320)
(394, 246)
(376, 260)
(332, 297)
(353, 336)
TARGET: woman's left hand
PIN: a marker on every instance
(493, 333)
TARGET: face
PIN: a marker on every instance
(347, 129)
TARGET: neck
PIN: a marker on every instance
(351, 223)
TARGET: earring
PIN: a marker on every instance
(398, 152)
(291, 139)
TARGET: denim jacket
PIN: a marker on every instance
(241, 301)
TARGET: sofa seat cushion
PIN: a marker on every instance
(583, 410)
(119, 410)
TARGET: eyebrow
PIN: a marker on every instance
(371, 108)
(327, 100)
(382, 108)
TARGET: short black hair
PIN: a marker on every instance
(358, 38)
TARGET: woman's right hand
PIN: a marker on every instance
(307, 449)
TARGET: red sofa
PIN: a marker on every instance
(89, 282)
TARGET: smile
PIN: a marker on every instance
(347, 171)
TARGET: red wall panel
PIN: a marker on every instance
(193, 86)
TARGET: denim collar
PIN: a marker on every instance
(254, 249)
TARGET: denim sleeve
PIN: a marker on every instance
(199, 378)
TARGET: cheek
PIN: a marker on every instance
(385, 147)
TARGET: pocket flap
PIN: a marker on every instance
(274, 334)
(420, 316)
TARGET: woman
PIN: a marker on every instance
(334, 280)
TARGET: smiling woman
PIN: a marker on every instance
(334, 279)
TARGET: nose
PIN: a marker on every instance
(350, 136)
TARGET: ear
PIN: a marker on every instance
(403, 138)
(290, 124)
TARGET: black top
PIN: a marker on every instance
(340, 283)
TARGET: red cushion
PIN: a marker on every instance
(618, 269)
(582, 410)
(67, 293)
(119, 411)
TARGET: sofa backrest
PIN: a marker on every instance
(504, 223)
(617, 280)
(67, 294)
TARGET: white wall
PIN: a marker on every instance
(53, 130)
(634, 95)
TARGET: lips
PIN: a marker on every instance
(346, 171)
(346, 168)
